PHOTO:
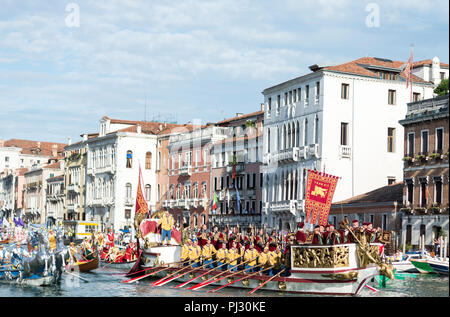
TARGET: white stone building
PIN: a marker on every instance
(339, 119)
(112, 171)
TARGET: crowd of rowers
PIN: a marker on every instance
(270, 253)
(109, 249)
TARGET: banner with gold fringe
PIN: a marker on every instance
(320, 188)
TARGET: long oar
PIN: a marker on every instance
(242, 278)
(76, 275)
(226, 276)
(214, 278)
(192, 279)
(255, 289)
(172, 274)
(135, 279)
(182, 274)
(152, 268)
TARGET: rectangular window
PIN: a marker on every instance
(317, 89)
(260, 180)
(299, 94)
(438, 191)
(416, 96)
(248, 181)
(290, 97)
(424, 142)
(307, 92)
(254, 180)
(410, 192)
(285, 98)
(391, 180)
(384, 223)
(439, 140)
(215, 183)
(345, 88)
(391, 97)
(295, 95)
(270, 104)
(391, 140)
(411, 137)
(344, 133)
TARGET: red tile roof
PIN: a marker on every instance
(56, 165)
(356, 67)
(32, 147)
(427, 62)
(388, 193)
(256, 113)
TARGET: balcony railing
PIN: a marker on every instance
(73, 188)
(129, 201)
(345, 151)
(185, 170)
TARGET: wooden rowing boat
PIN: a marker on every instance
(85, 266)
(118, 265)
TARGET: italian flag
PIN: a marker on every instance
(215, 201)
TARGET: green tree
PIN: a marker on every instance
(442, 88)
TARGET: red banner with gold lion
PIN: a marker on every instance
(320, 189)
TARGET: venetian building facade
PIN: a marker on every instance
(35, 191)
(189, 197)
(338, 120)
(74, 183)
(426, 170)
(243, 148)
(55, 199)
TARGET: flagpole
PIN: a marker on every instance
(410, 75)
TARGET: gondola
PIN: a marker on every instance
(85, 265)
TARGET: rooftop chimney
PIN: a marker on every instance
(85, 137)
(54, 150)
(69, 141)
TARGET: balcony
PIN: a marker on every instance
(185, 170)
(285, 207)
(73, 188)
(72, 207)
(313, 150)
(240, 168)
(181, 203)
(345, 151)
(128, 201)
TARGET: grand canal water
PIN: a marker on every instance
(105, 282)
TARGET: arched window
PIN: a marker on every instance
(128, 190)
(148, 160)
(129, 159)
(195, 190)
(148, 190)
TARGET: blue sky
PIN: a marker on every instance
(185, 60)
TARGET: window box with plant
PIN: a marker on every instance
(435, 156)
(421, 210)
(420, 158)
(406, 209)
(408, 159)
(435, 208)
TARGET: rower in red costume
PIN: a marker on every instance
(110, 239)
(301, 236)
(202, 236)
(130, 252)
(260, 241)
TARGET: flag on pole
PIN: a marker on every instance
(141, 203)
(408, 69)
(215, 202)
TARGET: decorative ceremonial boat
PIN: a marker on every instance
(16, 277)
(405, 265)
(342, 269)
